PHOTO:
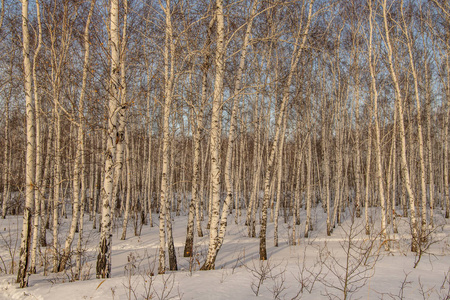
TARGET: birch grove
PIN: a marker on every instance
(277, 116)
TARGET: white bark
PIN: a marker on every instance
(38, 190)
(22, 278)
(399, 103)
(280, 171)
(429, 140)
(368, 163)
(374, 92)
(104, 254)
(232, 132)
(308, 225)
(216, 117)
(7, 161)
(121, 120)
(423, 185)
(128, 196)
(164, 217)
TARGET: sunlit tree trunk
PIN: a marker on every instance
(308, 225)
(38, 191)
(423, 185)
(325, 153)
(374, 95)
(104, 253)
(280, 173)
(128, 196)
(232, 133)
(399, 103)
(216, 117)
(164, 218)
(368, 168)
(121, 119)
(79, 165)
(7, 161)
(22, 278)
(428, 99)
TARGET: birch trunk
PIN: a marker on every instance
(374, 92)
(47, 176)
(79, 165)
(232, 133)
(280, 171)
(428, 100)
(7, 160)
(22, 277)
(104, 253)
(419, 130)
(216, 117)
(149, 160)
(399, 103)
(121, 120)
(169, 52)
(128, 197)
(356, 101)
(446, 200)
(198, 195)
(308, 225)
(367, 184)
(38, 190)
(325, 155)
(193, 205)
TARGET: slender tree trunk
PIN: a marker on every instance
(104, 253)
(128, 197)
(7, 160)
(193, 204)
(38, 190)
(399, 103)
(325, 155)
(216, 117)
(374, 94)
(121, 119)
(231, 135)
(419, 130)
(22, 278)
(79, 165)
(367, 184)
(308, 225)
(164, 218)
(428, 99)
(280, 171)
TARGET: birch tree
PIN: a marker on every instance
(22, 277)
(374, 96)
(401, 127)
(104, 252)
(38, 190)
(216, 117)
(164, 216)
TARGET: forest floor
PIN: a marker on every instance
(349, 264)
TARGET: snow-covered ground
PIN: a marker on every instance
(319, 267)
